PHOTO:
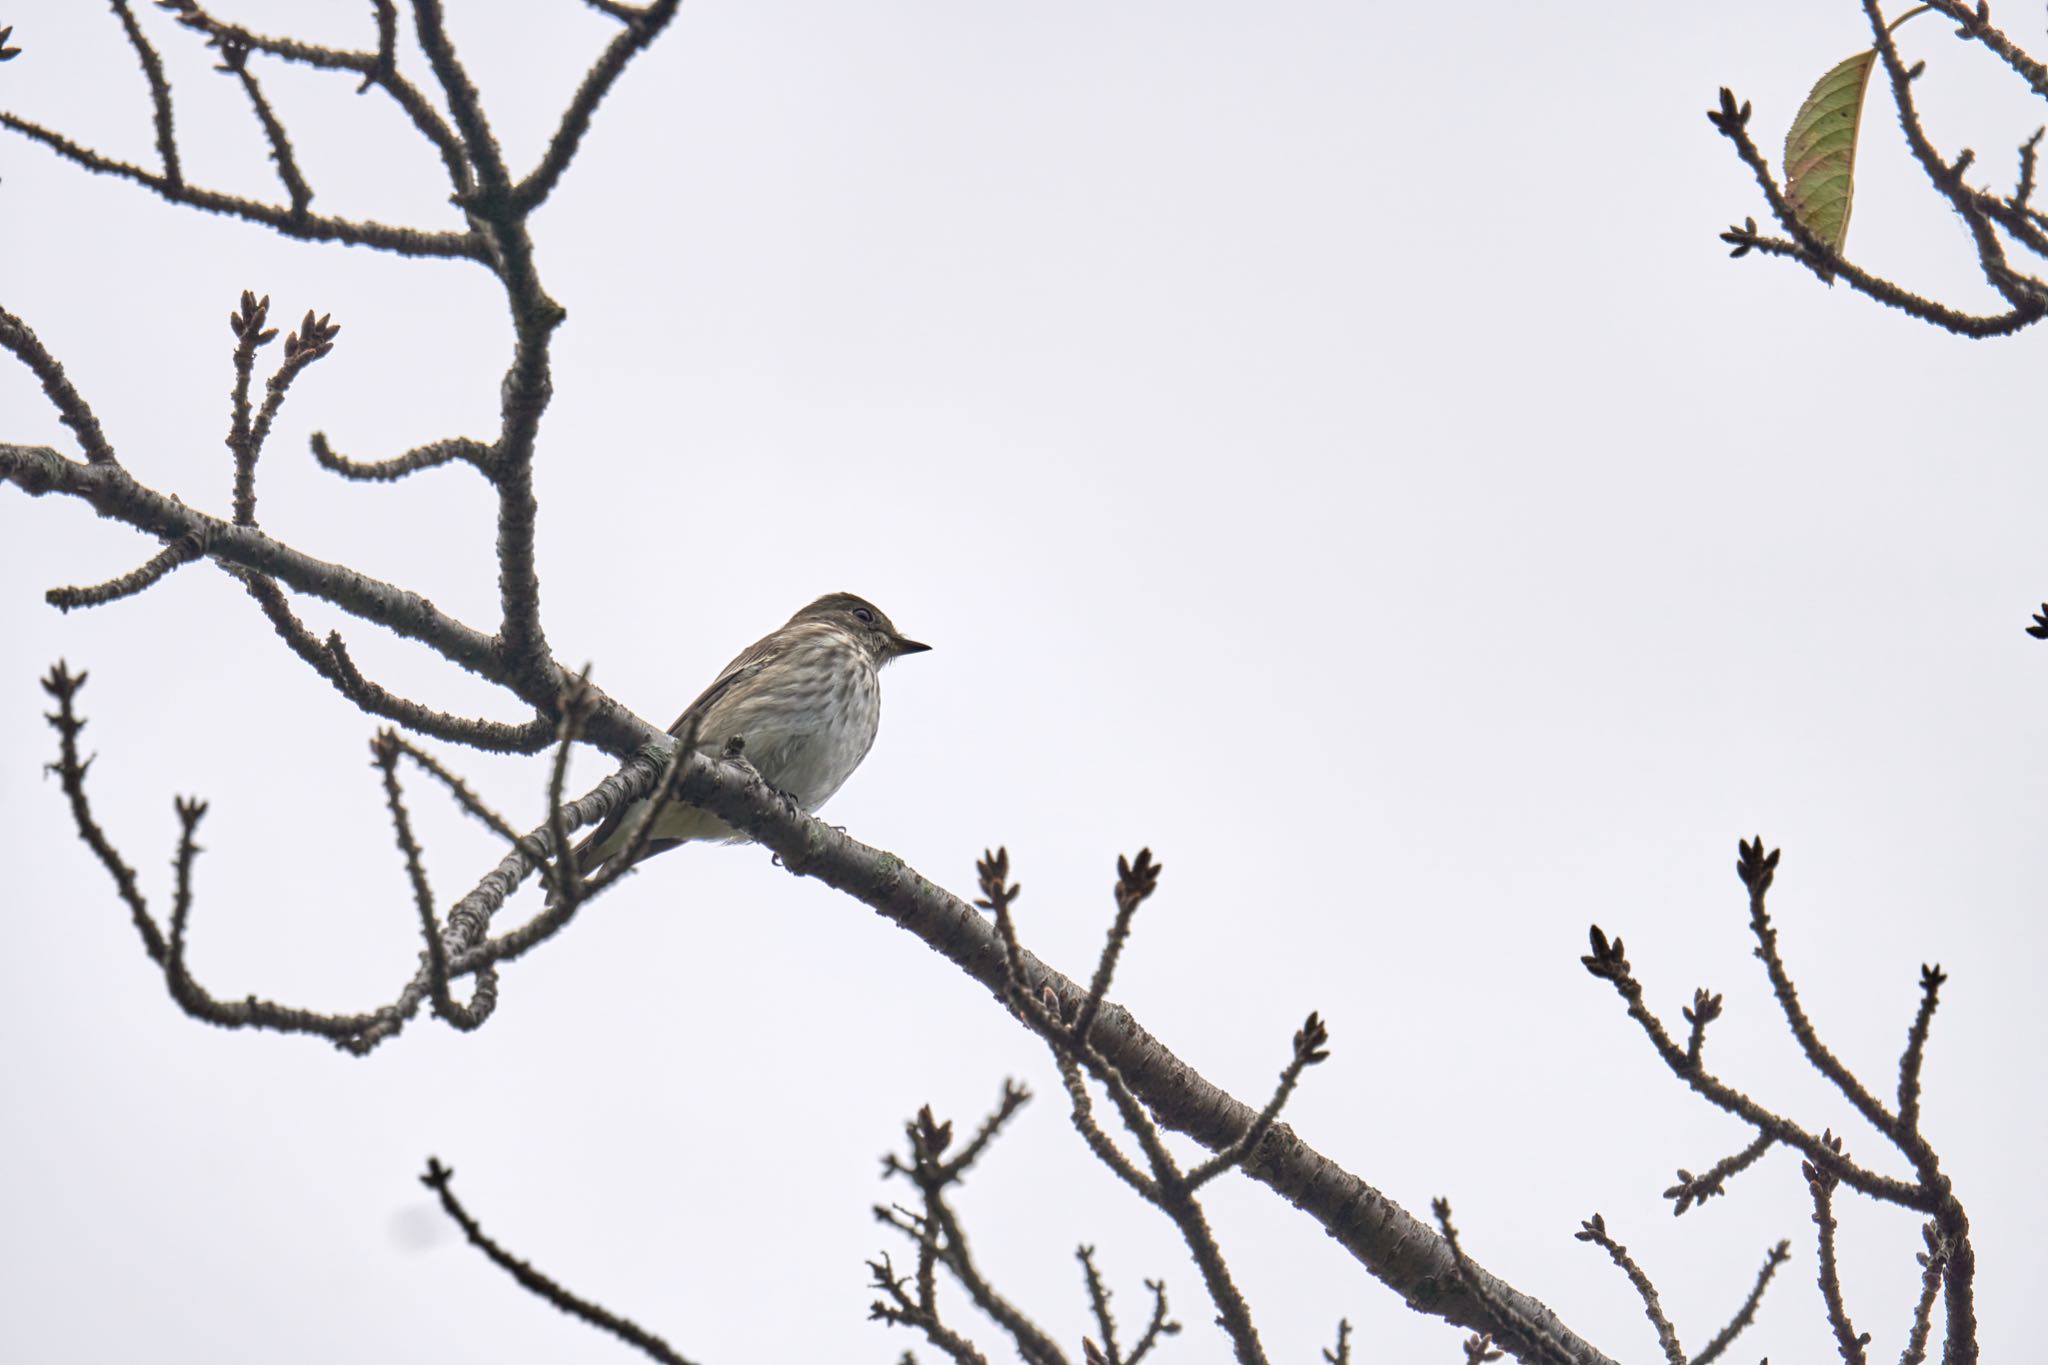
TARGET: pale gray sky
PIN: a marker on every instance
(1323, 442)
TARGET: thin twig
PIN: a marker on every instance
(1536, 1337)
(1098, 1304)
(497, 736)
(159, 91)
(1135, 883)
(574, 709)
(1594, 1230)
(282, 219)
(385, 748)
(1821, 1183)
(62, 684)
(641, 822)
(902, 1310)
(1745, 1315)
(1732, 121)
(1609, 961)
(1015, 1096)
(464, 797)
(330, 659)
(642, 27)
(1931, 981)
(940, 1240)
(313, 339)
(1947, 176)
(179, 552)
(1975, 23)
(437, 1179)
(235, 60)
(1167, 1188)
(1308, 1050)
(246, 322)
(72, 409)
(432, 455)
(1933, 1262)
(1697, 1189)
(378, 68)
(1160, 1325)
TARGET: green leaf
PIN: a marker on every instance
(1820, 151)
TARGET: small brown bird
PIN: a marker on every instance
(806, 700)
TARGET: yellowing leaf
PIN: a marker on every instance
(1820, 151)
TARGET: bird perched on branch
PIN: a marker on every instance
(805, 700)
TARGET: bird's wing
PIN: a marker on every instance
(740, 671)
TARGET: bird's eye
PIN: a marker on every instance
(864, 616)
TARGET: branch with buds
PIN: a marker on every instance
(1992, 219)
(1948, 1263)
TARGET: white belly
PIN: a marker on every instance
(805, 738)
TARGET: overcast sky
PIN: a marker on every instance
(1323, 442)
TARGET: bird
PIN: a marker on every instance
(805, 700)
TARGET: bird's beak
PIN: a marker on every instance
(904, 647)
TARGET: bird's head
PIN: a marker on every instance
(864, 621)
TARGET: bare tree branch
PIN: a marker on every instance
(937, 1234)
(1826, 1165)
(1697, 1189)
(330, 659)
(1984, 214)
(1821, 1182)
(642, 27)
(1745, 1315)
(62, 684)
(377, 68)
(179, 552)
(432, 455)
(1594, 1230)
(159, 91)
(1167, 1188)
(308, 227)
(234, 56)
(1151, 1089)
(1933, 1265)
(1539, 1344)
(71, 407)
(438, 1178)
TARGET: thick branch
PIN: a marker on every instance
(1398, 1249)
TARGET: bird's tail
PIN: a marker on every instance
(597, 851)
(590, 855)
